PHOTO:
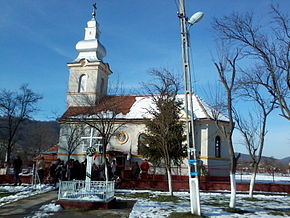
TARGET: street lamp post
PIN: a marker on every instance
(185, 23)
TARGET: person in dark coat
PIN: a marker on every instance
(52, 173)
(17, 164)
(83, 169)
(114, 168)
(60, 171)
(135, 171)
(77, 170)
(40, 167)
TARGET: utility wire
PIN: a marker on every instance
(176, 4)
(193, 78)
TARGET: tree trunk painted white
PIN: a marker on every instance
(106, 172)
(89, 173)
(169, 181)
(233, 190)
(6, 157)
(252, 183)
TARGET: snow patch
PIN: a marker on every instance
(22, 191)
(46, 210)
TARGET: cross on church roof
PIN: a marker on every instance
(94, 10)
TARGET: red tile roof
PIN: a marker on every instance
(117, 103)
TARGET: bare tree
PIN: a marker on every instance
(102, 116)
(267, 50)
(253, 129)
(165, 130)
(270, 165)
(15, 108)
(227, 71)
(71, 137)
(107, 123)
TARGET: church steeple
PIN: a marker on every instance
(89, 75)
(90, 48)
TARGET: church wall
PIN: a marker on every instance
(206, 131)
(213, 132)
(133, 130)
(62, 143)
(205, 142)
(130, 146)
(218, 166)
(76, 98)
(201, 138)
(101, 75)
(93, 83)
(79, 153)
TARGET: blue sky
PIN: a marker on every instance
(38, 38)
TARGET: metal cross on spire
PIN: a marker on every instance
(94, 10)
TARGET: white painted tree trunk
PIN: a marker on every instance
(89, 173)
(6, 157)
(252, 183)
(233, 190)
(169, 181)
(106, 172)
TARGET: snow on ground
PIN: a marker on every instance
(212, 204)
(22, 191)
(264, 178)
(46, 210)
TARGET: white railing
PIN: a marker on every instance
(79, 190)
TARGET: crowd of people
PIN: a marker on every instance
(75, 170)
(140, 172)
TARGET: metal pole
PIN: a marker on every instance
(189, 115)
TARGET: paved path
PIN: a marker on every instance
(26, 206)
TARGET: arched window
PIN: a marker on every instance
(217, 146)
(82, 83)
(141, 140)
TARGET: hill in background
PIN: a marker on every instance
(32, 138)
(267, 163)
(285, 160)
(247, 158)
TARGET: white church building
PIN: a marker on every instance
(88, 83)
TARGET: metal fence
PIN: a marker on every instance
(79, 190)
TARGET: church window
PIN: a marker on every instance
(141, 141)
(217, 146)
(82, 83)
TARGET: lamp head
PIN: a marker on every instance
(195, 18)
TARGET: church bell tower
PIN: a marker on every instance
(88, 74)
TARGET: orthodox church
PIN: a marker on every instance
(88, 84)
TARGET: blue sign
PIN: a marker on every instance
(194, 174)
(192, 162)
